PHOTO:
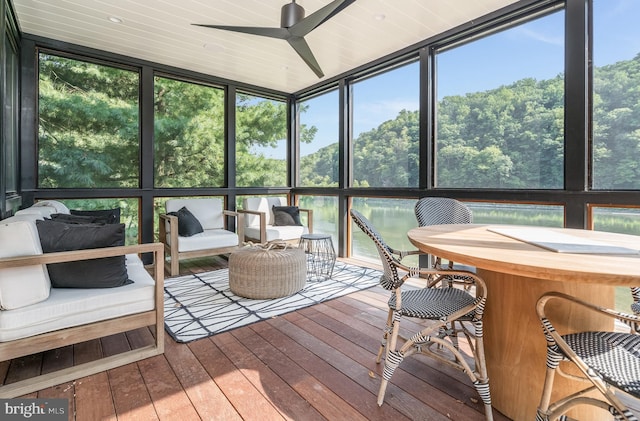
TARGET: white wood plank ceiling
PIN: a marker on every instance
(160, 31)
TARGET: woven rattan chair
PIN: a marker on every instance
(608, 361)
(635, 306)
(453, 311)
(442, 210)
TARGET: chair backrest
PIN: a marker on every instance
(261, 204)
(390, 279)
(208, 211)
(635, 306)
(442, 210)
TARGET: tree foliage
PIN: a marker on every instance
(88, 133)
(511, 137)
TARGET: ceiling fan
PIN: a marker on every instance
(293, 27)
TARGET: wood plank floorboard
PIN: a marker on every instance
(316, 363)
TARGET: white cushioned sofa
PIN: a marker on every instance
(36, 316)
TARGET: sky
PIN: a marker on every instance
(531, 50)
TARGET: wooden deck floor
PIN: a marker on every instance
(312, 364)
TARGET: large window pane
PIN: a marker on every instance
(500, 111)
(189, 134)
(261, 142)
(392, 218)
(517, 214)
(325, 215)
(616, 97)
(318, 140)
(386, 129)
(88, 125)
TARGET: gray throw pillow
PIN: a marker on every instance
(107, 272)
(103, 216)
(76, 219)
(286, 216)
(188, 224)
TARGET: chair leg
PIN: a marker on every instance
(385, 337)
(553, 361)
(175, 266)
(482, 384)
(393, 360)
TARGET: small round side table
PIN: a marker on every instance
(321, 256)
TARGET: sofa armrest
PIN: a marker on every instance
(172, 242)
(239, 223)
(309, 213)
(85, 254)
(263, 222)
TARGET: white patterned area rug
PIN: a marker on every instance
(201, 305)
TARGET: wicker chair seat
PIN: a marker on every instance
(433, 303)
(614, 356)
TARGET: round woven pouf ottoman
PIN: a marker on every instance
(267, 271)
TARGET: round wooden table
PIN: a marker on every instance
(517, 273)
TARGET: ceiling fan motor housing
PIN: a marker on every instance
(291, 14)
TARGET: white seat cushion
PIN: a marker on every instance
(21, 286)
(209, 239)
(67, 307)
(289, 232)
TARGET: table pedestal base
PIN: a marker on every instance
(515, 345)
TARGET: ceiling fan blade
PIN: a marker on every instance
(303, 50)
(318, 17)
(280, 33)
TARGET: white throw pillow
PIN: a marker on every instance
(21, 286)
(58, 206)
(37, 212)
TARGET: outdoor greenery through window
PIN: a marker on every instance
(500, 110)
(261, 142)
(623, 221)
(88, 133)
(386, 131)
(392, 218)
(517, 214)
(318, 140)
(325, 215)
(616, 98)
(129, 211)
(188, 134)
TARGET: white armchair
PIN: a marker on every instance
(211, 239)
(260, 222)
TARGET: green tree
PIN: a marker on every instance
(616, 125)
(88, 131)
